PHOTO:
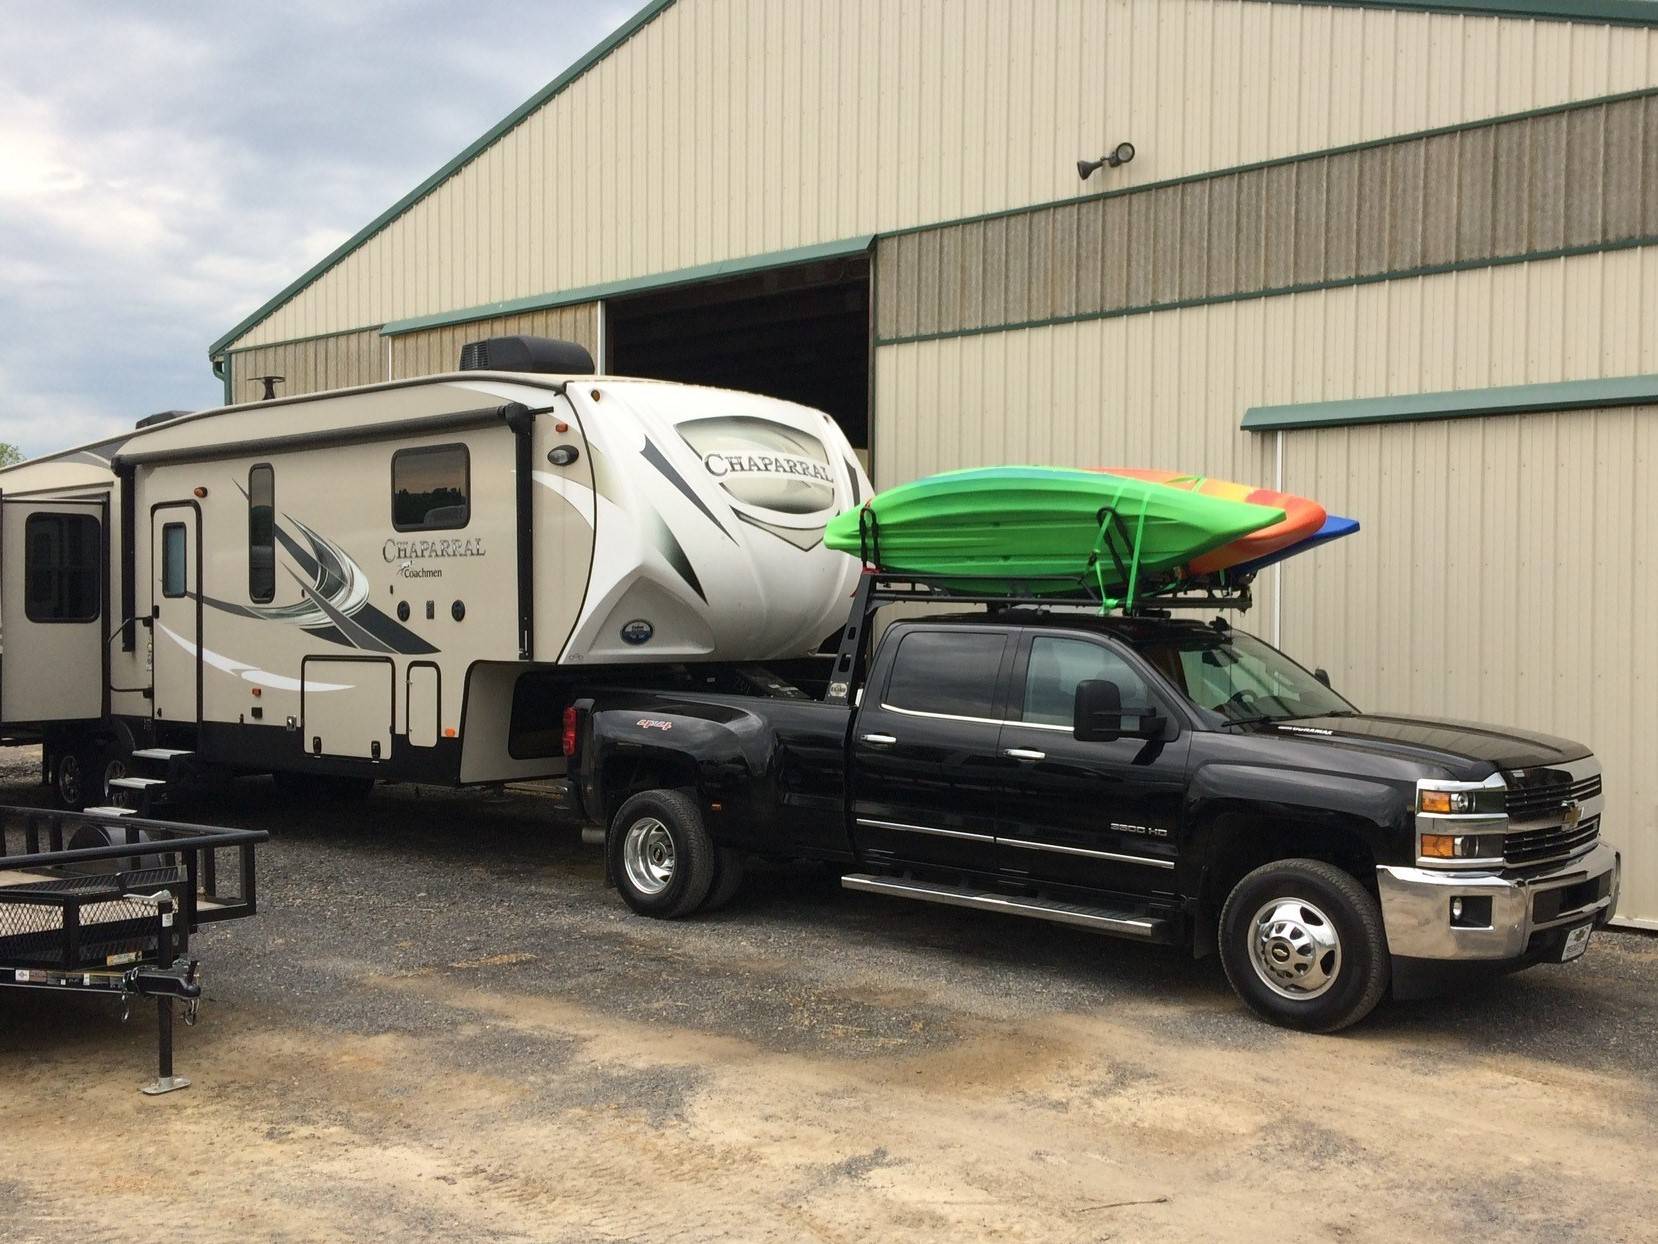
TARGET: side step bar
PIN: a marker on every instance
(1122, 923)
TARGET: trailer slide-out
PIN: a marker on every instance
(106, 904)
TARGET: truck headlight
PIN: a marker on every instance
(1461, 824)
(1468, 801)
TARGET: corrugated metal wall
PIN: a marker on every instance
(1169, 388)
(1578, 177)
(1509, 577)
(439, 349)
(730, 128)
(309, 366)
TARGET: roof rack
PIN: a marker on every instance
(878, 588)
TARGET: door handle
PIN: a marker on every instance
(1023, 753)
(880, 740)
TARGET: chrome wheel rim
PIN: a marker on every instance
(69, 779)
(648, 856)
(114, 769)
(1295, 949)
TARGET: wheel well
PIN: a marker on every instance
(1242, 843)
(621, 777)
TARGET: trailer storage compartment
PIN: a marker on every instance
(347, 703)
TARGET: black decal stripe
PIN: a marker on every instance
(240, 611)
(676, 556)
(297, 551)
(328, 633)
(389, 631)
(654, 456)
(356, 634)
(852, 474)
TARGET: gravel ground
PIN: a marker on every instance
(442, 1024)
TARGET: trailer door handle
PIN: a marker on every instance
(880, 740)
(1023, 753)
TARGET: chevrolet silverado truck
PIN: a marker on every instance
(1151, 777)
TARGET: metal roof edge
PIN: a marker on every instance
(603, 49)
(635, 285)
(1517, 399)
(1614, 12)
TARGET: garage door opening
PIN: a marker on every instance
(799, 333)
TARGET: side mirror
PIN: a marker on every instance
(1323, 675)
(1098, 715)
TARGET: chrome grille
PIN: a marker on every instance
(1532, 803)
(1550, 842)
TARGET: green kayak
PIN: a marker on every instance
(1038, 527)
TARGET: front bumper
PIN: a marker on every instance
(1416, 907)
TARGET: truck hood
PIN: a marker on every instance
(1433, 740)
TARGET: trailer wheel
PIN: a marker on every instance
(72, 777)
(112, 763)
(728, 879)
(1303, 945)
(661, 854)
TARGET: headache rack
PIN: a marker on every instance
(98, 902)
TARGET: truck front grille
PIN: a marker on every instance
(1533, 803)
(1550, 842)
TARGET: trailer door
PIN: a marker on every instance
(175, 611)
(52, 623)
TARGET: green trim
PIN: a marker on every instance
(605, 47)
(1615, 12)
(636, 285)
(1311, 287)
(1369, 144)
(221, 368)
(300, 341)
(1517, 399)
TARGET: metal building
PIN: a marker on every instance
(1401, 257)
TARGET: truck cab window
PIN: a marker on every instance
(1057, 665)
(945, 672)
(261, 534)
(430, 488)
(61, 556)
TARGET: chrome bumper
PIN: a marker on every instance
(1416, 907)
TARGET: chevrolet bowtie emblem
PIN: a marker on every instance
(1571, 813)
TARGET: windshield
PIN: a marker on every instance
(1239, 677)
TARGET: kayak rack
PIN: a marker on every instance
(878, 588)
(106, 903)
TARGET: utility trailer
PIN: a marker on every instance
(104, 903)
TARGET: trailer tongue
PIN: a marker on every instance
(104, 903)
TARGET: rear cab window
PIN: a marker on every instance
(946, 674)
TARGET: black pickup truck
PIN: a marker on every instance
(1153, 777)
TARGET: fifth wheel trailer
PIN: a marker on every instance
(379, 583)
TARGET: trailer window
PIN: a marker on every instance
(946, 673)
(430, 488)
(261, 534)
(61, 558)
(174, 577)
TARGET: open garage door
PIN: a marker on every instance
(800, 333)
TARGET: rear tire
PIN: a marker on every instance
(72, 776)
(660, 854)
(728, 879)
(1303, 945)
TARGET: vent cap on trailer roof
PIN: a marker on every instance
(161, 416)
(522, 353)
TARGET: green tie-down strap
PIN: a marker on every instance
(1102, 546)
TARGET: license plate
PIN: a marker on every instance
(1577, 941)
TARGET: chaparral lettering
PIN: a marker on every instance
(418, 550)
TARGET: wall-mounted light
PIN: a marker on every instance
(1121, 154)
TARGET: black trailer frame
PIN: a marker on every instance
(104, 903)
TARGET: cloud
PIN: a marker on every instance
(166, 169)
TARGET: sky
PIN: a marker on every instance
(166, 168)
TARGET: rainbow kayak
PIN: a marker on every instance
(1302, 518)
(1039, 527)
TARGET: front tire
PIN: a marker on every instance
(1303, 945)
(661, 855)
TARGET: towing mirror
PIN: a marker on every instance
(1099, 718)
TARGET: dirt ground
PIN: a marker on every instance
(442, 1025)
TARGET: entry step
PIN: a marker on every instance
(1105, 920)
(110, 810)
(158, 753)
(136, 783)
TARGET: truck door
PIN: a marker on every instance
(52, 610)
(1100, 815)
(175, 611)
(926, 771)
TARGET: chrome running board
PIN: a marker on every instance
(1102, 920)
